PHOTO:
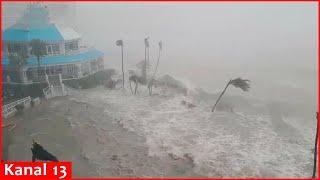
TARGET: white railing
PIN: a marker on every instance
(9, 109)
(67, 90)
(55, 91)
(47, 92)
(79, 50)
(55, 88)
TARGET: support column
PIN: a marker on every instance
(62, 47)
(60, 78)
(62, 86)
(47, 79)
(79, 70)
(90, 68)
(24, 77)
(52, 91)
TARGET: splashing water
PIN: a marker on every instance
(220, 144)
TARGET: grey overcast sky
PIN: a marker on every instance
(214, 33)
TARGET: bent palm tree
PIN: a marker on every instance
(137, 80)
(315, 149)
(238, 83)
(120, 43)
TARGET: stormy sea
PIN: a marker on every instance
(244, 137)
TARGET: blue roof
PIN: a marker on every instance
(61, 59)
(45, 33)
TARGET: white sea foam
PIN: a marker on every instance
(221, 143)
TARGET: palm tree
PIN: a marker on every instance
(38, 49)
(18, 60)
(238, 83)
(146, 49)
(120, 43)
(315, 149)
(150, 84)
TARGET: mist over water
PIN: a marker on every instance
(205, 45)
(272, 44)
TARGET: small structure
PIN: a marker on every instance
(66, 55)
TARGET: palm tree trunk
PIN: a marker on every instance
(214, 107)
(136, 88)
(122, 67)
(145, 64)
(130, 86)
(315, 151)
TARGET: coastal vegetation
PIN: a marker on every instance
(38, 49)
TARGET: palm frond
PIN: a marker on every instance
(38, 48)
(119, 43)
(241, 83)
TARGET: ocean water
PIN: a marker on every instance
(255, 141)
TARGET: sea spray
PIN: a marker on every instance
(221, 143)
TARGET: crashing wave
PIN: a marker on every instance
(220, 144)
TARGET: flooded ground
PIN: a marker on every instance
(51, 128)
(111, 133)
(250, 142)
(87, 136)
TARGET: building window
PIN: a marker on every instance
(14, 48)
(71, 46)
(49, 49)
(53, 49)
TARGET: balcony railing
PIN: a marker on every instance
(80, 50)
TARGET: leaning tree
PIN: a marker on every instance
(315, 148)
(238, 83)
